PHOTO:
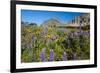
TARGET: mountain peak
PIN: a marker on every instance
(51, 22)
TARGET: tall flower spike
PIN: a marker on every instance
(42, 55)
(64, 57)
(51, 55)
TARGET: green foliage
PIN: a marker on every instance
(34, 38)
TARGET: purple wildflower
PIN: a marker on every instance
(86, 33)
(51, 55)
(42, 55)
(83, 33)
(64, 57)
(78, 33)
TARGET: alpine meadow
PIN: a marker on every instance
(48, 36)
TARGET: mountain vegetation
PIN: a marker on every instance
(49, 42)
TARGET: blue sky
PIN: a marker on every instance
(36, 16)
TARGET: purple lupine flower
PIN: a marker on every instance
(51, 55)
(83, 33)
(74, 56)
(86, 33)
(64, 57)
(42, 55)
(78, 33)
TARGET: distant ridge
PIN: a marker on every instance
(51, 23)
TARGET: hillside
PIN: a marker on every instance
(51, 23)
